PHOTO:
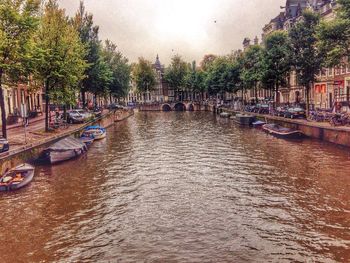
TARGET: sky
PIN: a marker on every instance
(190, 28)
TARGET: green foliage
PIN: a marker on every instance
(207, 61)
(18, 22)
(118, 64)
(307, 59)
(253, 67)
(98, 73)
(176, 73)
(59, 52)
(144, 75)
(223, 75)
(334, 36)
(344, 10)
(277, 57)
(195, 79)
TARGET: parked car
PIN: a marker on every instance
(295, 112)
(262, 109)
(78, 116)
(281, 111)
(249, 108)
(98, 112)
(4, 145)
(115, 106)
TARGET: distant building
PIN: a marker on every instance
(160, 93)
(333, 84)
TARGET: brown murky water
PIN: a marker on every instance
(184, 187)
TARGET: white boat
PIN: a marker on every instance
(225, 115)
(96, 132)
(17, 178)
(65, 149)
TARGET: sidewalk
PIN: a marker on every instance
(20, 138)
(31, 120)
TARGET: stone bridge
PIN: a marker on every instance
(174, 106)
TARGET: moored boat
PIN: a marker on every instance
(225, 115)
(258, 124)
(17, 178)
(246, 120)
(65, 149)
(97, 132)
(282, 132)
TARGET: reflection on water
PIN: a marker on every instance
(184, 187)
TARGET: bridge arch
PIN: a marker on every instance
(180, 106)
(166, 107)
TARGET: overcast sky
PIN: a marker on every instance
(186, 27)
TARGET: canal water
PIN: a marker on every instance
(184, 187)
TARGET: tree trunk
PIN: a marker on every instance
(2, 107)
(307, 99)
(65, 111)
(256, 93)
(47, 100)
(243, 103)
(277, 97)
(83, 98)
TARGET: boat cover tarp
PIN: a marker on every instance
(66, 144)
(95, 128)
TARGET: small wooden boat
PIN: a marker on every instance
(246, 120)
(65, 149)
(17, 178)
(225, 115)
(258, 124)
(282, 132)
(96, 132)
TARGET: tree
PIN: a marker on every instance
(253, 68)
(175, 74)
(207, 61)
(97, 71)
(334, 35)
(276, 61)
(121, 70)
(306, 57)
(144, 75)
(18, 22)
(60, 63)
(222, 76)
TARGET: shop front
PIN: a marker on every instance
(320, 95)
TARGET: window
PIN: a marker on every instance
(337, 71)
(343, 69)
(324, 72)
(348, 68)
(330, 72)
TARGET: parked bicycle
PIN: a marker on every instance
(340, 119)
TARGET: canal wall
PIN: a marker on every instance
(31, 152)
(316, 130)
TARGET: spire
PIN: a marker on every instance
(157, 63)
(256, 40)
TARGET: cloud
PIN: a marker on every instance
(191, 28)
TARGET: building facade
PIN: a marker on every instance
(332, 85)
(159, 94)
(22, 99)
